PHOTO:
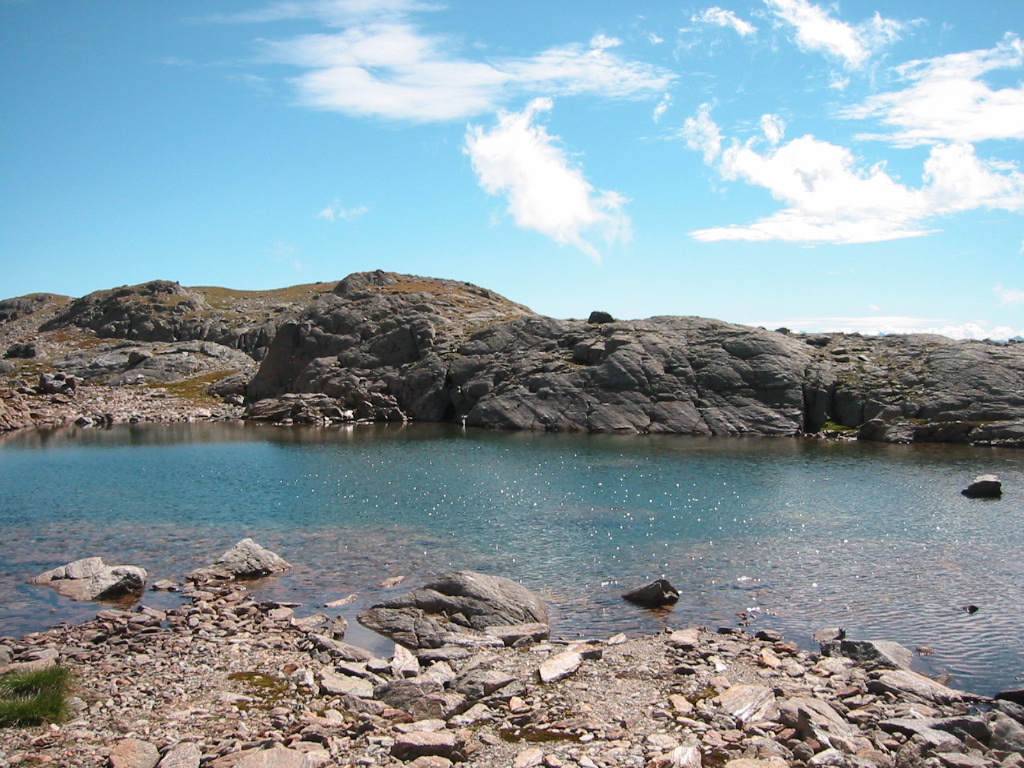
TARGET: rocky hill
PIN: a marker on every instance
(388, 347)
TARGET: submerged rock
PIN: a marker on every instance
(92, 579)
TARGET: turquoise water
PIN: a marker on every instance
(795, 534)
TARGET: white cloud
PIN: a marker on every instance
(1009, 296)
(381, 64)
(335, 211)
(817, 30)
(831, 196)
(662, 108)
(774, 128)
(521, 161)
(948, 101)
(723, 18)
(702, 133)
(875, 325)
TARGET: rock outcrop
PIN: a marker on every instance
(380, 346)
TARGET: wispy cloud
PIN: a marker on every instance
(947, 100)
(817, 30)
(880, 324)
(1009, 297)
(376, 61)
(832, 196)
(521, 161)
(723, 18)
(336, 212)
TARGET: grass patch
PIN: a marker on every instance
(33, 698)
(831, 426)
(194, 390)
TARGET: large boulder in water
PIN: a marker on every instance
(92, 579)
(984, 487)
(455, 608)
(245, 560)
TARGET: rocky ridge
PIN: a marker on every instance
(380, 346)
(226, 681)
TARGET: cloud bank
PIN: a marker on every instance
(832, 196)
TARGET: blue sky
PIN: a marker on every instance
(823, 166)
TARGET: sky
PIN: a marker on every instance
(854, 166)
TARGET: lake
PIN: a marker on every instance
(788, 534)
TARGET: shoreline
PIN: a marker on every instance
(222, 679)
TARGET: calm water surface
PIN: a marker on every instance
(795, 534)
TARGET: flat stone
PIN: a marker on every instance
(679, 757)
(903, 681)
(276, 757)
(183, 755)
(334, 684)
(134, 753)
(528, 758)
(749, 703)
(685, 639)
(559, 666)
(448, 744)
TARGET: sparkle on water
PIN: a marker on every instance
(778, 533)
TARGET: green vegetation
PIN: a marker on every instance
(33, 698)
(267, 691)
(831, 426)
(194, 389)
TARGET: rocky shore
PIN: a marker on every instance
(226, 681)
(380, 346)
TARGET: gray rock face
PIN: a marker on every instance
(160, 363)
(91, 579)
(456, 607)
(396, 347)
(245, 560)
(382, 346)
(163, 311)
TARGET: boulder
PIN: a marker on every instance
(454, 609)
(654, 595)
(984, 487)
(245, 560)
(91, 579)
